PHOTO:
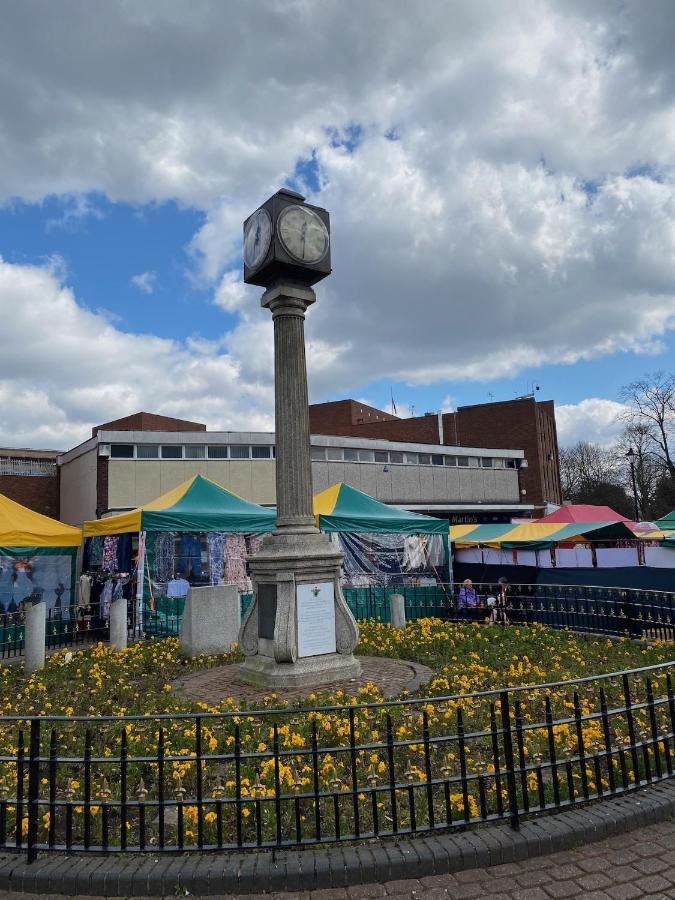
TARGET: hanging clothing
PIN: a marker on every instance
(95, 552)
(83, 591)
(235, 561)
(118, 591)
(216, 544)
(413, 552)
(124, 553)
(435, 550)
(177, 587)
(165, 556)
(190, 556)
(106, 598)
(110, 553)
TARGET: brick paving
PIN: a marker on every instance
(391, 676)
(638, 864)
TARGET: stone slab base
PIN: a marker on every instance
(310, 671)
(221, 683)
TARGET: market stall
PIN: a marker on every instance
(199, 533)
(37, 562)
(386, 550)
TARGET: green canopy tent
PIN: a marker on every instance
(344, 508)
(198, 505)
(667, 523)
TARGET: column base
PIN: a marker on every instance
(308, 671)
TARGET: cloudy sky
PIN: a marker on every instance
(500, 178)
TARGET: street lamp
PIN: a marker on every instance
(631, 459)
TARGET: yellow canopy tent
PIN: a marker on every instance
(37, 557)
(21, 528)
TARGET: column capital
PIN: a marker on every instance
(288, 299)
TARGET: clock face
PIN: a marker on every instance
(257, 238)
(303, 234)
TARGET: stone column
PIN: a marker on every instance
(288, 304)
(118, 624)
(35, 634)
(296, 556)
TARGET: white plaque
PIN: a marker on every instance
(316, 618)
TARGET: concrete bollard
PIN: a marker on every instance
(211, 620)
(36, 630)
(397, 602)
(118, 624)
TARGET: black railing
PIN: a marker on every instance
(297, 777)
(64, 627)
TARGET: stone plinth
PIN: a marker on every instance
(269, 635)
(211, 620)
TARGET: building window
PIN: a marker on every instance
(147, 451)
(122, 451)
(498, 462)
(261, 452)
(334, 454)
(366, 456)
(195, 451)
(436, 459)
(382, 456)
(412, 458)
(425, 459)
(219, 451)
(172, 451)
(486, 462)
(318, 453)
(351, 455)
(473, 462)
(237, 451)
(463, 461)
(511, 464)
(396, 456)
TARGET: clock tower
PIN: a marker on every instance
(298, 630)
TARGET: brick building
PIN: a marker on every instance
(30, 477)
(521, 424)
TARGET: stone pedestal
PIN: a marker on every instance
(35, 634)
(211, 620)
(118, 624)
(298, 630)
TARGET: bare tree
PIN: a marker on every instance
(584, 466)
(651, 402)
(648, 466)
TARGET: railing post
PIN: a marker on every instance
(33, 789)
(508, 759)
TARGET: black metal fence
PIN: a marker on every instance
(297, 777)
(618, 612)
(65, 626)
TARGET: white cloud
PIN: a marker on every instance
(504, 227)
(145, 282)
(595, 420)
(64, 368)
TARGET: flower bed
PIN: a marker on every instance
(231, 776)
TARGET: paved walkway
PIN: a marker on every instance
(639, 864)
(391, 676)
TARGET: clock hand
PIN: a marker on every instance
(304, 237)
